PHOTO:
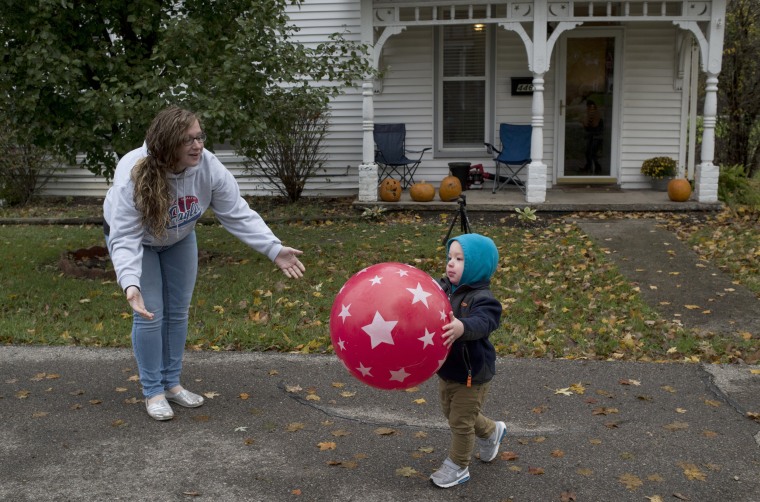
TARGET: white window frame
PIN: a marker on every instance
(489, 104)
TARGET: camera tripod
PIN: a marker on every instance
(462, 215)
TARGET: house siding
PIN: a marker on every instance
(650, 108)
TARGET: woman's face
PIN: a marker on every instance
(189, 151)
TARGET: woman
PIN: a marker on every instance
(159, 192)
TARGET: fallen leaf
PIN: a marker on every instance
(338, 385)
(346, 393)
(558, 454)
(40, 414)
(407, 472)
(384, 431)
(567, 497)
(668, 388)
(313, 397)
(630, 481)
(714, 404)
(578, 388)
(680, 496)
(654, 498)
(426, 449)
(753, 415)
(680, 410)
(628, 381)
(22, 394)
(211, 395)
(692, 472)
(656, 478)
(420, 401)
(601, 410)
(326, 445)
(692, 307)
(420, 434)
(295, 492)
(536, 471)
(293, 388)
(565, 392)
(244, 396)
(709, 434)
(294, 427)
(676, 426)
(595, 441)
(509, 455)
(340, 433)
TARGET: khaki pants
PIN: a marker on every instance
(461, 407)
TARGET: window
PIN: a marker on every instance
(462, 87)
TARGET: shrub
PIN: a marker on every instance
(294, 150)
(24, 168)
(735, 188)
(659, 167)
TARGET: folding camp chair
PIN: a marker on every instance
(514, 155)
(390, 154)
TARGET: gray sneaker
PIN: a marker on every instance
(450, 474)
(489, 448)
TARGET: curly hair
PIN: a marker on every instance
(153, 194)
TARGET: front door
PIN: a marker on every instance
(587, 115)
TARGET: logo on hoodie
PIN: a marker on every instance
(186, 210)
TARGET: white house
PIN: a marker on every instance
(453, 71)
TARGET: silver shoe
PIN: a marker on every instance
(185, 398)
(160, 410)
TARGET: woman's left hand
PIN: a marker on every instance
(287, 261)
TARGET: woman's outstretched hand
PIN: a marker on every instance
(287, 261)
(135, 299)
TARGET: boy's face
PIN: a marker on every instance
(455, 265)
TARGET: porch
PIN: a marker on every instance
(558, 199)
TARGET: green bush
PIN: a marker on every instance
(736, 189)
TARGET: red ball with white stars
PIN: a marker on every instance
(386, 325)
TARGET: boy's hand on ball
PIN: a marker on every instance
(453, 330)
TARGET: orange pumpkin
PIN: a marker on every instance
(422, 192)
(679, 189)
(450, 188)
(390, 190)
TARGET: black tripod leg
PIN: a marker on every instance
(451, 227)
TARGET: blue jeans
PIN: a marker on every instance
(167, 283)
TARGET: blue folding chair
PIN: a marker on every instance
(514, 155)
(390, 154)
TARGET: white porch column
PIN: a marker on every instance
(535, 192)
(706, 177)
(368, 168)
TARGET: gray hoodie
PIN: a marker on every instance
(198, 188)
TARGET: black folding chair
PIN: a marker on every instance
(390, 154)
(514, 155)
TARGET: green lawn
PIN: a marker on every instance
(561, 295)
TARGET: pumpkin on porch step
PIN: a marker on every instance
(422, 192)
(450, 188)
(679, 189)
(390, 190)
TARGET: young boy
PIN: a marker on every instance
(471, 364)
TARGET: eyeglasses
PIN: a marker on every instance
(201, 138)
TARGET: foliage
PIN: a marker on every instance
(24, 168)
(735, 188)
(740, 86)
(292, 151)
(571, 303)
(526, 214)
(375, 213)
(88, 77)
(659, 167)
